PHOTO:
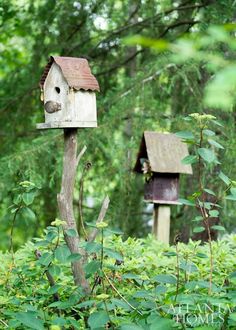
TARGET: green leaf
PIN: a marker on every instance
(201, 255)
(51, 235)
(62, 253)
(198, 229)
(205, 327)
(74, 257)
(62, 304)
(28, 197)
(207, 154)
(162, 278)
(198, 218)
(186, 135)
(113, 254)
(170, 254)
(216, 122)
(92, 267)
(191, 159)
(220, 228)
(71, 232)
(93, 247)
(87, 303)
(208, 132)
(54, 270)
(131, 326)
(120, 303)
(131, 276)
(54, 289)
(27, 213)
(232, 316)
(231, 197)
(189, 267)
(30, 319)
(215, 144)
(75, 324)
(113, 231)
(161, 323)
(17, 199)
(224, 178)
(209, 191)
(214, 213)
(233, 191)
(186, 202)
(46, 259)
(98, 319)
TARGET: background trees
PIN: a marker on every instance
(140, 89)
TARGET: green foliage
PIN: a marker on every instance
(139, 91)
(136, 284)
(153, 285)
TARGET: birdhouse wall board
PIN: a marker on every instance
(56, 90)
(69, 98)
(87, 102)
(162, 189)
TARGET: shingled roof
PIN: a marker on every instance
(76, 72)
(164, 152)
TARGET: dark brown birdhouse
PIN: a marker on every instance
(159, 159)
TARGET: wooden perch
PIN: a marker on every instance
(65, 203)
(100, 218)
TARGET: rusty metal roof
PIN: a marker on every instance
(76, 71)
(164, 152)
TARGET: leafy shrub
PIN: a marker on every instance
(138, 284)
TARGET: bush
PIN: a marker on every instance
(136, 284)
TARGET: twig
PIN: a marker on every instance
(120, 295)
(80, 155)
(11, 233)
(178, 274)
(6, 325)
(81, 192)
(101, 216)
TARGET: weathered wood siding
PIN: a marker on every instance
(53, 80)
(78, 107)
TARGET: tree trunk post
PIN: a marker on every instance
(161, 222)
(65, 204)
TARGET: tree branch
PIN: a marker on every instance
(100, 218)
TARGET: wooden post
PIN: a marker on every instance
(65, 204)
(161, 223)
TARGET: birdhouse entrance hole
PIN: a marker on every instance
(58, 90)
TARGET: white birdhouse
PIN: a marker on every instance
(68, 92)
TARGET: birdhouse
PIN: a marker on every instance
(159, 159)
(68, 93)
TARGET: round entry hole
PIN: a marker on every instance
(58, 90)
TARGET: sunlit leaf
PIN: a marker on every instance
(207, 154)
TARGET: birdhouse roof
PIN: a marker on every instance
(164, 152)
(76, 72)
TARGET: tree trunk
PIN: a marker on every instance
(65, 204)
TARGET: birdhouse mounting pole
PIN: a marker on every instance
(65, 204)
(161, 222)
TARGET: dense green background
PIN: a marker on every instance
(140, 90)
